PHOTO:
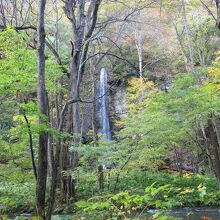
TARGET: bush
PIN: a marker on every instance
(164, 191)
(18, 197)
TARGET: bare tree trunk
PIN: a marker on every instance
(30, 143)
(43, 108)
(218, 13)
(83, 24)
(94, 104)
(139, 46)
(70, 159)
(50, 155)
(50, 137)
(207, 146)
(181, 45)
(191, 51)
(54, 181)
(100, 178)
(215, 148)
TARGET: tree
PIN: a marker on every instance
(43, 109)
(218, 13)
(83, 26)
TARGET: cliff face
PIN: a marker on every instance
(117, 101)
(120, 101)
(117, 105)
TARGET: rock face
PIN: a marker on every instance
(118, 106)
(111, 104)
(120, 101)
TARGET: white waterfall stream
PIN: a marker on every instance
(103, 105)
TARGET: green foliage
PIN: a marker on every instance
(157, 121)
(168, 192)
(17, 197)
(17, 63)
(204, 39)
(161, 120)
(18, 69)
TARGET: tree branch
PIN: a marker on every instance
(208, 9)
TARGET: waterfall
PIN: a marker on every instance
(103, 110)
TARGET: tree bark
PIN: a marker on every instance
(54, 179)
(83, 25)
(43, 109)
(30, 143)
(213, 138)
(191, 51)
(100, 178)
(218, 13)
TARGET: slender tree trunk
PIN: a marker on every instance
(191, 51)
(215, 126)
(218, 13)
(180, 41)
(215, 148)
(100, 178)
(50, 155)
(138, 39)
(43, 105)
(83, 24)
(139, 46)
(50, 138)
(94, 117)
(54, 179)
(31, 144)
(70, 159)
(207, 147)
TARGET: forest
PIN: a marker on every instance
(110, 109)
